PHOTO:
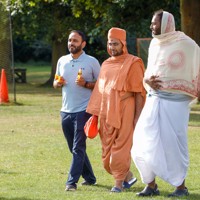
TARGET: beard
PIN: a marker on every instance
(156, 31)
(74, 49)
(116, 53)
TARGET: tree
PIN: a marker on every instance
(43, 20)
(5, 42)
(190, 16)
(51, 20)
(189, 20)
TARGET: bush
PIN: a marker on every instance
(31, 50)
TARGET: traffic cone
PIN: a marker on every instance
(3, 88)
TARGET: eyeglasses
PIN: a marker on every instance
(115, 44)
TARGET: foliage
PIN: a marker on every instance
(133, 16)
(38, 19)
(48, 22)
(5, 42)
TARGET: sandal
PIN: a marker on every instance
(179, 193)
(128, 184)
(149, 191)
(116, 189)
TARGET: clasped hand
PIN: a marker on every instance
(153, 82)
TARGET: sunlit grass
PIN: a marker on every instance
(34, 157)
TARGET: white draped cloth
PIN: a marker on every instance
(175, 58)
(160, 141)
(160, 138)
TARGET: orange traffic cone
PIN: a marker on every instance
(3, 88)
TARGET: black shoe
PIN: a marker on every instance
(88, 183)
(149, 191)
(70, 188)
(179, 193)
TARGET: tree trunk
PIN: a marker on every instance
(58, 50)
(5, 43)
(59, 43)
(190, 16)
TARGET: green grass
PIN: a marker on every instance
(34, 157)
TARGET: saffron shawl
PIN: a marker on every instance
(174, 57)
(112, 86)
(120, 76)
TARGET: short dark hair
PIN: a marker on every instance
(159, 13)
(80, 33)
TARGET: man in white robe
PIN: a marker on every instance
(172, 81)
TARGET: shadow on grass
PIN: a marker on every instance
(102, 186)
(194, 119)
(7, 172)
(12, 103)
(193, 196)
(134, 189)
(17, 198)
(196, 107)
(163, 194)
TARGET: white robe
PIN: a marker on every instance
(160, 138)
(160, 141)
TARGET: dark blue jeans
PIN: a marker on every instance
(72, 125)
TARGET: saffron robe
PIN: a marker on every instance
(113, 101)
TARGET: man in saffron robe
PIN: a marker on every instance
(117, 99)
(172, 81)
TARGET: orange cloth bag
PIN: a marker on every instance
(91, 127)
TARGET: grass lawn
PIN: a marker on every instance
(34, 157)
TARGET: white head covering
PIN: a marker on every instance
(167, 23)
